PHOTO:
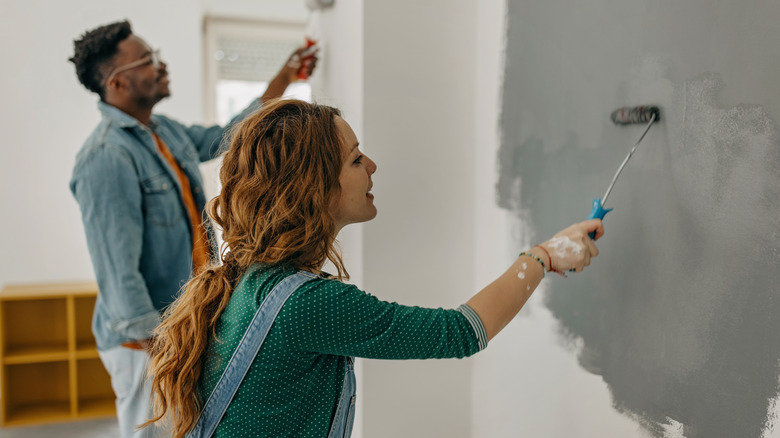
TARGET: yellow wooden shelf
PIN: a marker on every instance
(39, 291)
(35, 354)
(50, 370)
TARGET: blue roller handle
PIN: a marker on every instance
(597, 212)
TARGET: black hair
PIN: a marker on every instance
(94, 51)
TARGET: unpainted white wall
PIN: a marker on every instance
(419, 126)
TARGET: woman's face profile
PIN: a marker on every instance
(354, 202)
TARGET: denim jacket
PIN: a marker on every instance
(137, 228)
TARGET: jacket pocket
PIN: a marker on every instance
(161, 202)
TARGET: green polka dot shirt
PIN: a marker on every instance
(293, 386)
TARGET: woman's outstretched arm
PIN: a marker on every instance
(570, 249)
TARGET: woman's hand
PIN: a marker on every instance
(570, 250)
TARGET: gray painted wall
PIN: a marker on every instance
(680, 314)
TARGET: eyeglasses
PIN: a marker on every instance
(152, 58)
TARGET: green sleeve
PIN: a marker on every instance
(329, 317)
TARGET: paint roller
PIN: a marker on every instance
(625, 116)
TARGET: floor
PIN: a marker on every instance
(103, 428)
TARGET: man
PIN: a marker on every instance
(137, 183)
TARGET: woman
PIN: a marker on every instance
(292, 178)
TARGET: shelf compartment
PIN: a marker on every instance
(94, 393)
(34, 327)
(37, 393)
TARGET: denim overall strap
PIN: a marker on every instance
(345, 412)
(245, 354)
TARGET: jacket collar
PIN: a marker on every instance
(120, 117)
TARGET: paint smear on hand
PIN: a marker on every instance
(563, 246)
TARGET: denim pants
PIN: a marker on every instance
(127, 369)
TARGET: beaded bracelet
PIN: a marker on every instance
(548, 255)
(533, 256)
(562, 274)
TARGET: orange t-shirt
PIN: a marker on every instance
(200, 242)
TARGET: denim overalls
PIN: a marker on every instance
(245, 353)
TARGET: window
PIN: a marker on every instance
(241, 59)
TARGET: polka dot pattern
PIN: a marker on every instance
(293, 386)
